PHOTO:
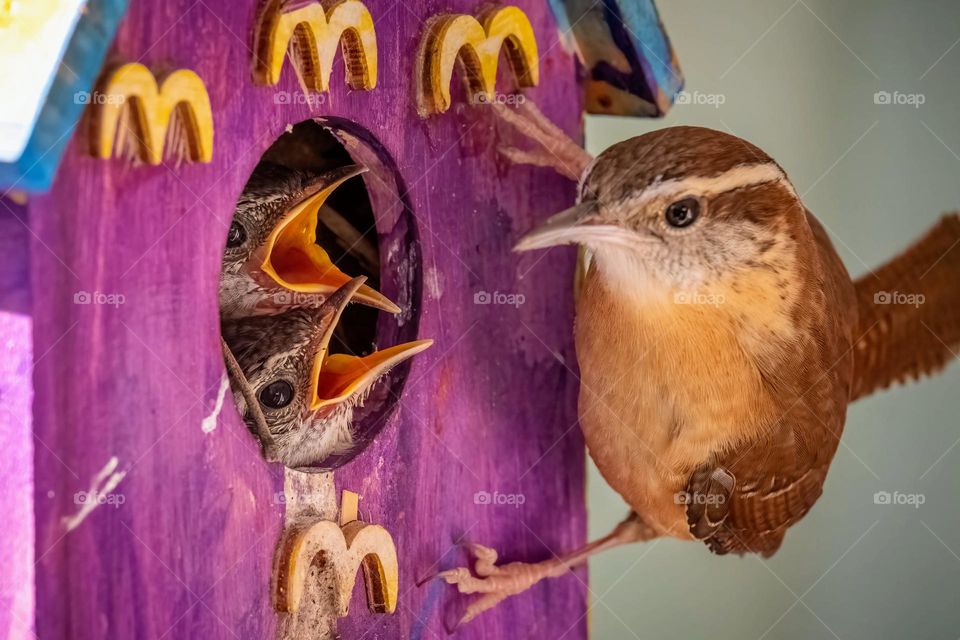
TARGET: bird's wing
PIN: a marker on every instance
(779, 474)
(910, 312)
(776, 479)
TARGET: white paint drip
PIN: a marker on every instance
(210, 422)
(433, 284)
(103, 483)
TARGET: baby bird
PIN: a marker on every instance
(720, 340)
(306, 394)
(272, 261)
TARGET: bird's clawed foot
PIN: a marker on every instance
(495, 582)
(551, 146)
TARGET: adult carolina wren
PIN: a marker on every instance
(720, 340)
(272, 261)
(306, 394)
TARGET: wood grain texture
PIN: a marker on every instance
(631, 66)
(150, 106)
(477, 46)
(317, 33)
(489, 408)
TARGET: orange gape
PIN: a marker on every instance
(720, 340)
(340, 376)
(295, 261)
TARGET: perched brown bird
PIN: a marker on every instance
(272, 261)
(307, 395)
(720, 340)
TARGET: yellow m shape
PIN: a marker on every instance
(317, 33)
(150, 107)
(476, 44)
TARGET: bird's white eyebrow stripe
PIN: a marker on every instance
(744, 175)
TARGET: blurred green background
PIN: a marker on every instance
(798, 79)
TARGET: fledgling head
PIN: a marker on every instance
(272, 260)
(306, 394)
(679, 209)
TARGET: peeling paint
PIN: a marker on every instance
(103, 483)
(210, 422)
(433, 284)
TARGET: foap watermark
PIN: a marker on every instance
(509, 99)
(498, 499)
(498, 297)
(899, 98)
(899, 297)
(99, 297)
(699, 98)
(896, 498)
(93, 497)
(299, 98)
(698, 297)
(307, 500)
(686, 497)
(298, 298)
(86, 97)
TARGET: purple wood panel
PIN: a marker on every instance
(490, 408)
(16, 440)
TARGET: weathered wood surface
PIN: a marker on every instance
(16, 441)
(491, 407)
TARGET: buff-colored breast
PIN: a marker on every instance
(664, 387)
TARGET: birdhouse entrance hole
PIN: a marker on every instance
(366, 227)
(347, 228)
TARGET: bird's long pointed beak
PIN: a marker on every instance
(336, 377)
(294, 260)
(567, 227)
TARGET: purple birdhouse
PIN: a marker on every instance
(147, 509)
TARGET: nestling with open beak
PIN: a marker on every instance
(272, 260)
(306, 394)
(720, 340)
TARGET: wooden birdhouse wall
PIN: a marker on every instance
(130, 391)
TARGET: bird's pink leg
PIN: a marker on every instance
(496, 583)
(553, 148)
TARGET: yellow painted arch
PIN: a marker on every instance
(132, 86)
(318, 34)
(477, 44)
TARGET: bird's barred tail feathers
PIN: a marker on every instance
(909, 310)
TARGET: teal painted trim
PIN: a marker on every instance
(609, 32)
(61, 111)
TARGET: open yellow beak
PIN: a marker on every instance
(294, 259)
(337, 377)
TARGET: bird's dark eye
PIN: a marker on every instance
(236, 236)
(682, 213)
(276, 395)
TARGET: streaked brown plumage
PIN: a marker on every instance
(720, 340)
(306, 395)
(272, 261)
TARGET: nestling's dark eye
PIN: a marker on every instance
(276, 395)
(682, 213)
(236, 236)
